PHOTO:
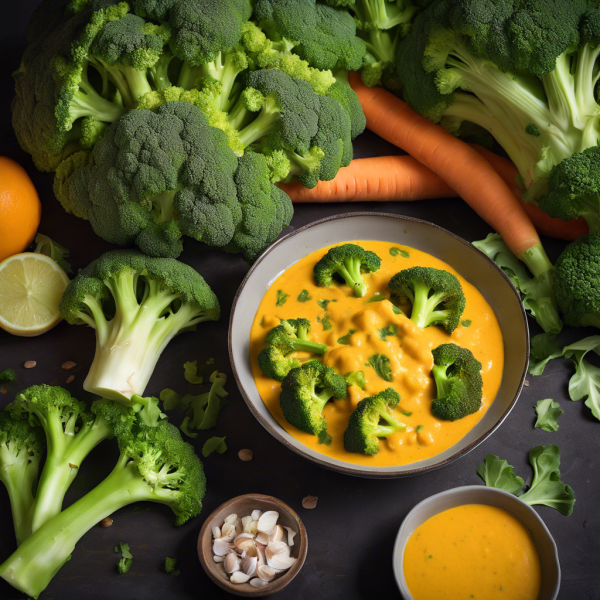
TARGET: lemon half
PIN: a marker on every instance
(31, 286)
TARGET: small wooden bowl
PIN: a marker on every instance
(242, 506)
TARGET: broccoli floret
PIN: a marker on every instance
(8, 375)
(58, 253)
(457, 375)
(347, 262)
(290, 336)
(342, 93)
(356, 378)
(574, 189)
(22, 446)
(136, 304)
(436, 296)
(154, 465)
(322, 35)
(370, 421)
(171, 563)
(72, 432)
(305, 391)
(576, 282)
(533, 70)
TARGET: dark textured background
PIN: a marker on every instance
(352, 530)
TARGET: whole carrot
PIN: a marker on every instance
(381, 178)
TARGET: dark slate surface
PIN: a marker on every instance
(352, 530)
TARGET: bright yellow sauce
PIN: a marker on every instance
(472, 551)
(409, 353)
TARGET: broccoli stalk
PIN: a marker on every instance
(137, 305)
(156, 466)
(21, 449)
(436, 296)
(348, 262)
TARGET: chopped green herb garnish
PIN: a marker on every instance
(304, 296)
(170, 566)
(395, 251)
(376, 298)
(345, 339)
(396, 310)
(325, 322)
(281, 298)
(381, 364)
(126, 557)
(406, 413)
(210, 361)
(389, 330)
(419, 428)
(323, 303)
(466, 323)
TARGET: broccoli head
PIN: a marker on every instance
(22, 446)
(576, 279)
(290, 336)
(457, 375)
(436, 296)
(370, 421)
(305, 391)
(136, 304)
(346, 262)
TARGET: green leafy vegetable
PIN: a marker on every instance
(381, 364)
(466, 323)
(419, 428)
(191, 372)
(304, 296)
(8, 375)
(356, 378)
(325, 322)
(376, 298)
(58, 253)
(170, 564)
(386, 331)
(548, 412)
(395, 251)
(281, 298)
(345, 339)
(214, 444)
(324, 303)
(396, 310)
(126, 557)
(546, 487)
(406, 413)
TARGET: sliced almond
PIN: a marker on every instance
(309, 502)
(249, 565)
(245, 455)
(221, 548)
(266, 573)
(232, 563)
(281, 561)
(68, 365)
(277, 534)
(267, 521)
(256, 514)
(239, 577)
(258, 583)
(216, 531)
(291, 535)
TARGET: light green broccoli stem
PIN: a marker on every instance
(300, 164)
(129, 346)
(350, 272)
(382, 430)
(320, 398)
(159, 72)
(131, 83)
(263, 125)
(19, 473)
(383, 14)
(162, 206)
(37, 560)
(537, 260)
(66, 451)
(381, 46)
(301, 345)
(423, 312)
(442, 383)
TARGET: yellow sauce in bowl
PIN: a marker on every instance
(469, 552)
(409, 351)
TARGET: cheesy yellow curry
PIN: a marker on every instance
(354, 329)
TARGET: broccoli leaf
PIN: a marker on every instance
(324, 303)
(544, 348)
(466, 323)
(546, 487)
(499, 474)
(126, 557)
(281, 298)
(345, 339)
(386, 331)
(548, 412)
(381, 364)
(395, 251)
(356, 378)
(585, 382)
(214, 444)
(170, 564)
(216, 399)
(191, 372)
(304, 296)
(8, 375)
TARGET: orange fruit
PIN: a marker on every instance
(20, 208)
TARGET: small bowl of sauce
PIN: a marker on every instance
(475, 543)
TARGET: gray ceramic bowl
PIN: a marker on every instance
(472, 264)
(478, 494)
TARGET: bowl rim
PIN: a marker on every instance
(399, 551)
(279, 583)
(374, 472)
